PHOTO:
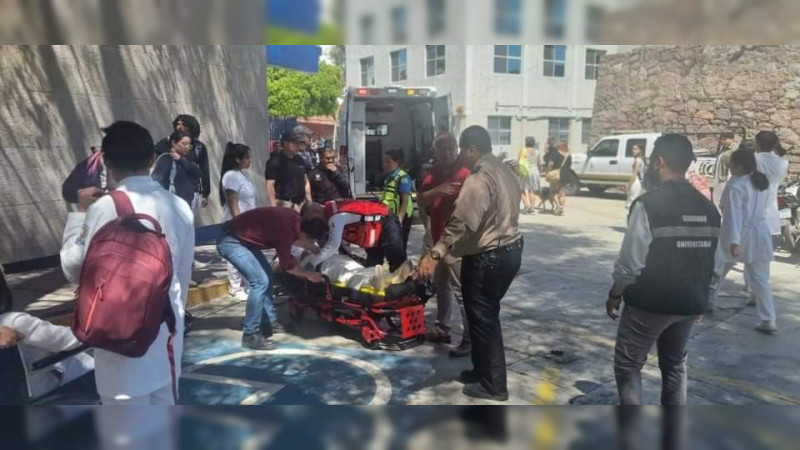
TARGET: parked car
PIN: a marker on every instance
(609, 163)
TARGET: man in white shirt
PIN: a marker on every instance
(128, 155)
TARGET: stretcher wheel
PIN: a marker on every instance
(374, 345)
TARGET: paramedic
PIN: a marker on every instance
(397, 191)
(366, 224)
(242, 242)
(484, 230)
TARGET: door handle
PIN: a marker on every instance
(613, 162)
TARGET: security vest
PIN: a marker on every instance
(367, 232)
(392, 199)
(685, 227)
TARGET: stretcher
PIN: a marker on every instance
(388, 319)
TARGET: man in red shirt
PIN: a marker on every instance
(242, 242)
(437, 196)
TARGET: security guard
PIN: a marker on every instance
(484, 230)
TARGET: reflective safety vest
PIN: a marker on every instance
(392, 199)
(367, 232)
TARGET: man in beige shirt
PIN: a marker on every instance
(484, 230)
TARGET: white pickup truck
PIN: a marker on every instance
(609, 163)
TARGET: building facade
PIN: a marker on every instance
(515, 91)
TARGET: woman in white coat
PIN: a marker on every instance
(775, 168)
(745, 235)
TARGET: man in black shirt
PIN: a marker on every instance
(198, 154)
(286, 175)
(328, 182)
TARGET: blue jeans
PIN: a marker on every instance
(255, 268)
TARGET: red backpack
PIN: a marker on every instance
(367, 232)
(123, 295)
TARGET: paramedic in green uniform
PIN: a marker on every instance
(397, 191)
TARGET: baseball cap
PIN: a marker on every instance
(301, 130)
(289, 136)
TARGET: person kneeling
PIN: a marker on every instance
(242, 242)
(366, 224)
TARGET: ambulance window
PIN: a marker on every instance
(377, 129)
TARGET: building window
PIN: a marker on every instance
(399, 24)
(367, 30)
(500, 130)
(437, 20)
(555, 59)
(593, 63)
(507, 17)
(555, 18)
(435, 60)
(594, 15)
(399, 65)
(558, 129)
(377, 129)
(368, 71)
(586, 130)
(508, 59)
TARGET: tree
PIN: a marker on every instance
(301, 94)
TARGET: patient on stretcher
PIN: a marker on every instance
(342, 269)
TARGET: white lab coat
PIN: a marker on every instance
(744, 222)
(776, 169)
(118, 375)
(43, 339)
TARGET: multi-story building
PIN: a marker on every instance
(514, 91)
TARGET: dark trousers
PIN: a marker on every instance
(407, 222)
(390, 245)
(485, 279)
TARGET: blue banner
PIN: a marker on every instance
(300, 15)
(304, 58)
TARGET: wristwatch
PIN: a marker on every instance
(612, 296)
(435, 255)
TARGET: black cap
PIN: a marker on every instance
(289, 136)
(726, 135)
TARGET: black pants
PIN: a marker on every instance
(485, 279)
(407, 222)
(390, 245)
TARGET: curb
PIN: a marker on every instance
(197, 296)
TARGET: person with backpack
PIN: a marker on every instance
(89, 172)
(397, 189)
(131, 303)
(175, 171)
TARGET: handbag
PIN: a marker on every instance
(554, 176)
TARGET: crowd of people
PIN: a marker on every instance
(677, 250)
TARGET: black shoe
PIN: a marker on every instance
(463, 349)
(276, 328)
(469, 376)
(476, 390)
(256, 341)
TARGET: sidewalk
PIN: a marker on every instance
(48, 295)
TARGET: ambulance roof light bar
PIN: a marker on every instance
(395, 91)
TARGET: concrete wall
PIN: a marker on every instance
(702, 88)
(56, 99)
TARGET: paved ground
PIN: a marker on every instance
(559, 342)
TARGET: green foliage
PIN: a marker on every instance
(301, 94)
(326, 35)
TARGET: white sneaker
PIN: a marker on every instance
(200, 265)
(767, 327)
(239, 295)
